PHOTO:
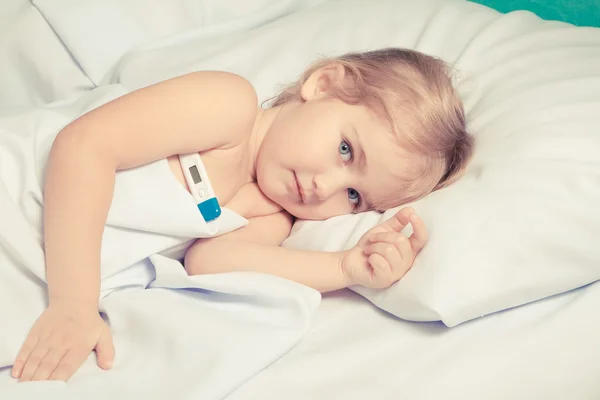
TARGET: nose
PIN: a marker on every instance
(328, 184)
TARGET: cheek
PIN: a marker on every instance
(312, 138)
(282, 146)
(264, 170)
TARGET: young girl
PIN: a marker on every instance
(364, 131)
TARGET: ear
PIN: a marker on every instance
(321, 81)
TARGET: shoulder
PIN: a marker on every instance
(225, 85)
(231, 98)
(228, 100)
(227, 90)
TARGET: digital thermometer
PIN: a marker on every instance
(199, 184)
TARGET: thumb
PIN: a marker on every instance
(105, 350)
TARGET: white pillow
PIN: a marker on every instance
(521, 225)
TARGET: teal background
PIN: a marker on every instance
(576, 12)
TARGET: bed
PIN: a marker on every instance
(503, 304)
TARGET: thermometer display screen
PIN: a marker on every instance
(195, 174)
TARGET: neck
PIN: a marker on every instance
(264, 120)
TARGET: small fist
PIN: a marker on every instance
(384, 254)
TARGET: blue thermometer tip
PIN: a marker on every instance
(210, 209)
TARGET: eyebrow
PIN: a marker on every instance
(367, 204)
(362, 158)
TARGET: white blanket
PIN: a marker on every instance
(203, 335)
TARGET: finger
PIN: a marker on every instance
(381, 237)
(24, 353)
(49, 363)
(405, 249)
(399, 221)
(33, 361)
(69, 364)
(389, 252)
(398, 240)
(419, 237)
(382, 275)
(378, 263)
(105, 350)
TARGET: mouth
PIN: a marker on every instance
(299, 189)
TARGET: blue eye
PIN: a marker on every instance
(353, 196)
(345, 151)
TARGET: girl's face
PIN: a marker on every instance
(322, 157)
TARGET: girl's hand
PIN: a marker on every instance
(383, 254)
(61, 340)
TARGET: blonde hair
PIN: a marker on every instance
(414, 92)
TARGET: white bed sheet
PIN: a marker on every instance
(99, 32)
(546, 350)
(35, 67)
(57, 49)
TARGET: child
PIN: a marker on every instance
(364, 131)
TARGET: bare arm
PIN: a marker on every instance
(256, 248)
(193, 112)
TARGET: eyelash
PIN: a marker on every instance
(359, 202)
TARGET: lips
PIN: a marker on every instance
(299, 188)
